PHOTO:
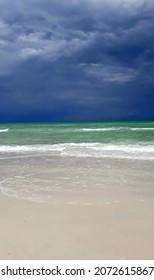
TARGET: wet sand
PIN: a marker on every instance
(73, 208)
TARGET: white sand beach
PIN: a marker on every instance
(73, 208)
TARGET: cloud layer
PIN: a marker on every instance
(76, 60)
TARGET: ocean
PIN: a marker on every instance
(77, 190)
(130, 140)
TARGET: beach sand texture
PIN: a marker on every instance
(76, 208)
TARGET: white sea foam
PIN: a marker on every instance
(30, 148)
(97, 129)
(4, 130)
(136, 151)
(143, 128)
(115, 129)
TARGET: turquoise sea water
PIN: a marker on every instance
(115, 140)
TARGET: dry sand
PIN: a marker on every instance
(113, 218)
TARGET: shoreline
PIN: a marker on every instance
(96, 209)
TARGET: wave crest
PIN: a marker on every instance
(97, 150)
(4, 130)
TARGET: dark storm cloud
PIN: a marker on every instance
(76, 60)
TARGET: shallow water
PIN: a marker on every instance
(49, 178)
(132, 140)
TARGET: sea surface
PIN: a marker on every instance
(88, 187)
(63, 162)
(132, 140)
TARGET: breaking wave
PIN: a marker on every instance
(4, 130)
(130, 151)
(115, 129)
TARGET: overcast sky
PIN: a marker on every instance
(76, 60)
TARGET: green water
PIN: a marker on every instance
(55, 133)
